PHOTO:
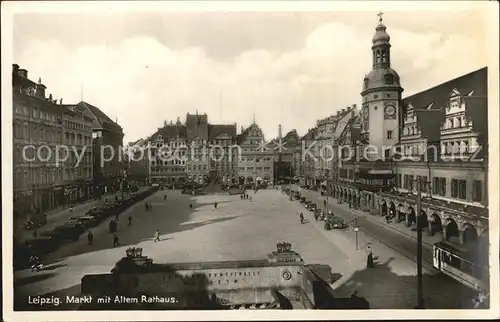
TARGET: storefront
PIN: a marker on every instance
(23, 202)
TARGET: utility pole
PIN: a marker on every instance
(420, 292)
(356, 230)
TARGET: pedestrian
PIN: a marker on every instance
(90, 237)
(116, 198)
(70, 208)
(150, 207)
(250, 198)
(215, 205)
(129, 221)
(369, 259)
(105, 200)
(191, 206)
(157, 236)
(116, 240)
(165, 197)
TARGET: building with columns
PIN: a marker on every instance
(437, 137)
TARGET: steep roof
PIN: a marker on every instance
(243, 135)
(102, 120)
(215, 130)
(430, 104)
(170, 132)
(310, 134)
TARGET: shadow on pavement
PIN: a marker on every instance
(383, 288)
(170, 217)
(36, 277)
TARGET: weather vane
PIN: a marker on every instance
(380, 14)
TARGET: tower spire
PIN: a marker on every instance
(254, 118)
(380, 18)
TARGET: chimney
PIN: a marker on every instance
(354, 106)
(50, 97)
(15, 69)
(338, 113)
(343, 110)
(165, 123)
(23, 73)
(242, 129)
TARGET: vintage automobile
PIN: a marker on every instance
(87, 221)
(307, 203)
(303, 199)
(35, 221)
(333, 222)
(296, 195)
(290, 283)
(312, 207)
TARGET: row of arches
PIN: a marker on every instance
(449, 228)
(433, 223)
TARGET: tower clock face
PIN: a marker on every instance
(390, 111)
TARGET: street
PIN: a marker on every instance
(242, 229)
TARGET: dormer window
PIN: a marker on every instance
(389, 79)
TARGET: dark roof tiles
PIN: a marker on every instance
(429, 121)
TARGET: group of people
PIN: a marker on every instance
(245, 196)
(148, 206)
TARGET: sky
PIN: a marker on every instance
(292, 68)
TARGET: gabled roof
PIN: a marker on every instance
(311, 133)
(102, 121)
(196, 126)
(169, 132)
(215, 130)
(430, 120)
(241, 137)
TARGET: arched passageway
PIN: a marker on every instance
(412, 219)
(424, 222)
(383, 209)
(392, 210)
(451, 228)
(436, 226)
(401, 214)
(470, 236)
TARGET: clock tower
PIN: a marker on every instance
(381, 95)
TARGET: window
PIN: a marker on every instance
(462, 189)
(390, 135)
(476, 190)
(454, 188)
(389, 78)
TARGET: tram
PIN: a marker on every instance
(462, 265)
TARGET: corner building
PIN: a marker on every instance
(438, 137)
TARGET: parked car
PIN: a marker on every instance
(312, 207)
(87, 221)
(307, 203)
(36, 221)
(333, 222)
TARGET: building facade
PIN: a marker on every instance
(223, 153)
(78, 171)
(48, 141)
(138, 162)
(256, 163)
(167, 153)
(107, 146)
(438, 146)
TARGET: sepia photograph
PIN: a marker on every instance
(162, 159)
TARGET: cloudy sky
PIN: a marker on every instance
(285, 67)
